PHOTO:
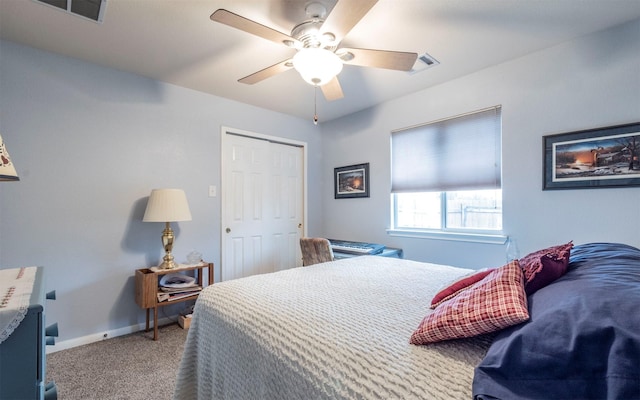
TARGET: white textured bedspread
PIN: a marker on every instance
(336, 330)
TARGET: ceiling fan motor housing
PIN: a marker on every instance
(308, 34)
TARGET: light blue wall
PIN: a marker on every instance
(591, 82)
(89, 144)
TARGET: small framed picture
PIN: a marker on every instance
(351, 181)
(594, 158)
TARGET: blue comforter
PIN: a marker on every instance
(583, 338)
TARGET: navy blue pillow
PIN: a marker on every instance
(583, 338)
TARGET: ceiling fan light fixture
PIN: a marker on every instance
(317, 66)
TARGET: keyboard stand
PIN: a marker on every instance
(387, 252)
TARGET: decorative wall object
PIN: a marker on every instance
(7, 170)
(351, 181)
(594, 158)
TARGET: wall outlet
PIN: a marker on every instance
(212, 191)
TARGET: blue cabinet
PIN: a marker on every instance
(23, 355)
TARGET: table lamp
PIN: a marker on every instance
(7, 170)
(167, 205)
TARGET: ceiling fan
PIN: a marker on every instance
(318, 57)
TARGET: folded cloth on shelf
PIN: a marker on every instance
(16, 285)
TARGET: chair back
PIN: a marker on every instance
(315, 251)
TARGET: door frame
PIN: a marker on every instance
(224, 131)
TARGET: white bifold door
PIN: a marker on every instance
(262, 204)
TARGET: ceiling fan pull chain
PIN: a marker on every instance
(315, 105)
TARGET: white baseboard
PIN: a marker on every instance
(97, 337)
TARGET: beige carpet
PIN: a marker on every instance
(128, 367)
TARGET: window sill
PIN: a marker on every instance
(490, 238)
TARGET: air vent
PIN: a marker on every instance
(424, 61)
(91, 9)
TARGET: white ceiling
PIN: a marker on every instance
(175, 41)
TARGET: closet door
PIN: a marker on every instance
(262, 205)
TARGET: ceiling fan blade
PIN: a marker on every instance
(332, 90)
(267, 72)
(244, 24)
(397, 60)
(344, 16)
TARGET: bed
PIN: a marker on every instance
(346, 330)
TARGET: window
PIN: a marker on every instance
(92, 9)
(446, 175)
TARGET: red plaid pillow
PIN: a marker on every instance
(496, 302)
(457, 286)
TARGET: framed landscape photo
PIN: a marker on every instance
(595, 158)
(351, 181)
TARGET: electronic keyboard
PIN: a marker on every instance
(344, 246)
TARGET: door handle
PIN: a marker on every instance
(299, 226)
(228, 230)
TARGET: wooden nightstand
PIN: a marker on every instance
(147, 282)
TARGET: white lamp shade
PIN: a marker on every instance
(167, 205)
(7, 170)
(317, 66)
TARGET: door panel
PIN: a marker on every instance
(242, 211)
(286, 176)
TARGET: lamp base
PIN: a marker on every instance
(168, 262)
(167, 243)
(168, 265)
